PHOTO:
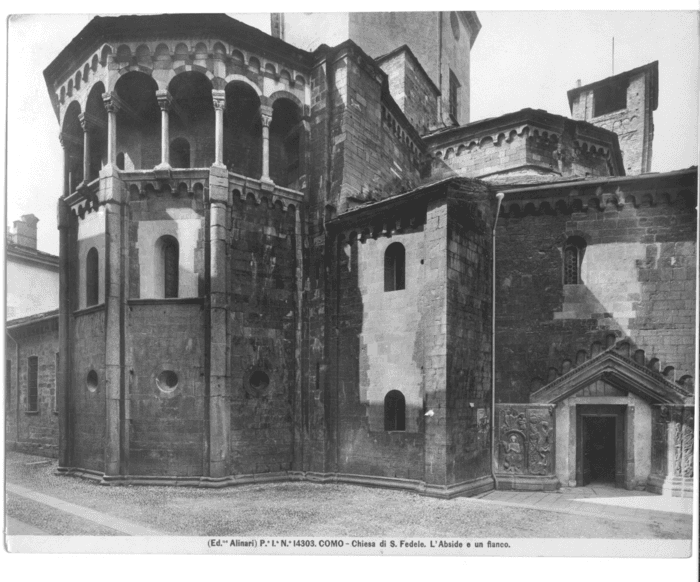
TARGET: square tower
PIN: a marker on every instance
(625, 104)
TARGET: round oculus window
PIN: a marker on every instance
(167, 381)
(258, 382)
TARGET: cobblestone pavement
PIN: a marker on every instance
(40, 502)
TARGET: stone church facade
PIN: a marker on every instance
(284, 264)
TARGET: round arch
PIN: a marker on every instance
(193, 116)
(94, 108)
(243, 79)
(243, 129)
(138, 124)
(285, 141)
(72, 139)
(282, 94)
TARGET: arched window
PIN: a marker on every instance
(180, 153)
(394, 411)
(168, 266)
(120, 160)
(92, 278)
(573, 256)
(395, 267)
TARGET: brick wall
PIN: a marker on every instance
(638, 275)
(33, 432)
(262, 327)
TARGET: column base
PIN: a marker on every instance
(517, 482)
(162, 171)
(267, 184)
(670, 486)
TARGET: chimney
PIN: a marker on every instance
(578, 82)
(24, 231)
(277, 25)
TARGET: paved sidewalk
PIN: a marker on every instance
(604, 500)
(115, 523)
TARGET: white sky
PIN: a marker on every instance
(520, 59)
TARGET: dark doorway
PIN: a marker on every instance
(600, 445)
(599, 448)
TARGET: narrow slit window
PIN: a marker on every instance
(170, 261)
(394, 411)
(92, 277)
(32, 383)
(395, 267)
(573, 256)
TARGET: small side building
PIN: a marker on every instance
(31, 342)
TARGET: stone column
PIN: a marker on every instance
(219, 98)
(87, 126)
(266, 117)
(65, 186)
(111, 104)
(113, 193)
(217, 335)
(64, 309)
(164, 100)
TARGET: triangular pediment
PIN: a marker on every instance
(618, 372)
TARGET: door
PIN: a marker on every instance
(600, 445)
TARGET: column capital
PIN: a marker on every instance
(165, 99)
(111, 102)
(90, 122)
(67, 139)
(266, 115)
(219, 98)
(85, 122)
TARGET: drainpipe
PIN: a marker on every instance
(499, 198)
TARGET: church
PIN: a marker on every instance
(293, 256)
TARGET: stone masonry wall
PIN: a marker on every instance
(366, 156)
(31, 432)
(379, 348)
(633, 124)
(468, 331)
(262, 303)
(412, 91)
(165, 432)
(87, 418)
(638, 274)
(529, 150)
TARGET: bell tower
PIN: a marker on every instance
(625, 104)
